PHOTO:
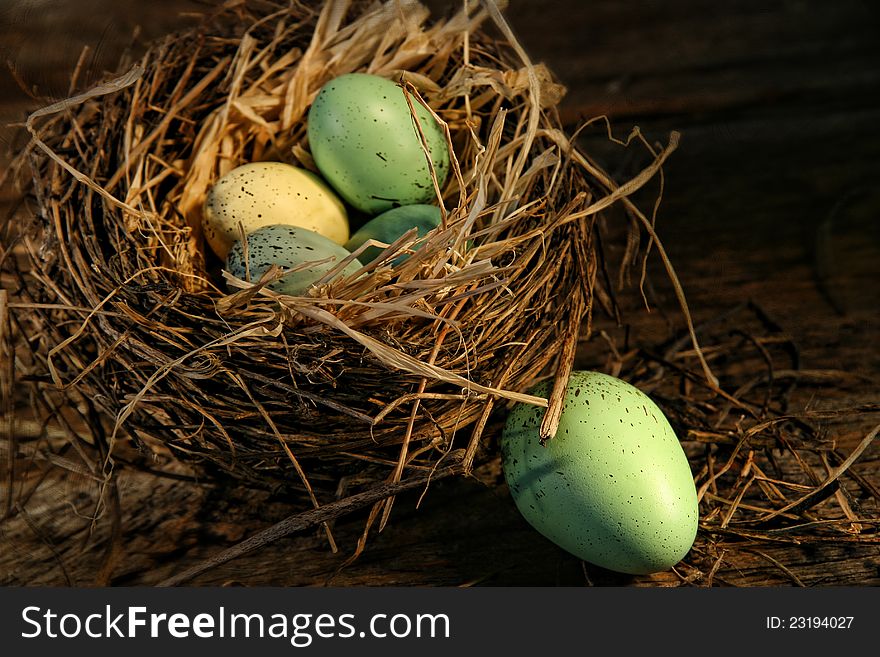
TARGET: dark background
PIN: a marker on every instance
(772, 197)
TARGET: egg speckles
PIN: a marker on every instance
(289, 247)
(614, 486)
(366, 145)
(266, 193)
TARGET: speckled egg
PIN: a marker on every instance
(288, 247)
(265, 193)
(614, 486)
(366, 145)
(390, 225)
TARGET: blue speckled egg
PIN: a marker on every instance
(614, 486)
(366, 145)
(288, 246)
(390, 225)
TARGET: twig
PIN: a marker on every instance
(324, 514)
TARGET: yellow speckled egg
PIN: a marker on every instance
(614, 486)
(265, 193)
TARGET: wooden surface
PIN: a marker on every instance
(772, 197)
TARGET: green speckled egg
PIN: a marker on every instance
(614, 486)
(288, 246)
(261, 194)
(366, 145)
(390, 225)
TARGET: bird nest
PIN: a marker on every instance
(376, 375)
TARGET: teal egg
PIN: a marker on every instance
(614, 486)
(366, 145)
(391, 225)
(288, 246)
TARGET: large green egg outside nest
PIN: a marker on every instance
(614, 486)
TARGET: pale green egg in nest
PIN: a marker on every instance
(365, 142)
(393, 224)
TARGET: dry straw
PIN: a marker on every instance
(373, 384)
